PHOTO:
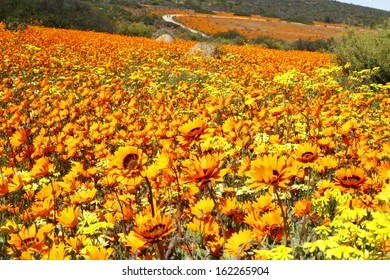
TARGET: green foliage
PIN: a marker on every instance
(230, 36)
(271, 43)
(127, 3)
(299, 20)
(303, 45)
(304, 10)
(61, 13)
(242, 14)
(317, 45)
(204, 11)
(15, 25)
(136, 29)
(192, 4)
(366, 50)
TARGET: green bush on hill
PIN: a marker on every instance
(60, 13)
(229, 37)
(299, 20)
(136, 29)
(271, 43)
(366, 50)
(317, 45)
(304, 10)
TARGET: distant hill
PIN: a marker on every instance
(131, 18)
(74, 14)
(298, 10)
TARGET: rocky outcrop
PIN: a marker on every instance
(165, 38)
(204, 50)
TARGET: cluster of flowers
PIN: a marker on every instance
(256, 26)
(128, 148)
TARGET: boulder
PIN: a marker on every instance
(165, 38)
(204, 50)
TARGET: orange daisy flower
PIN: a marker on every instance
(350, 179)
(130, 159)
(69, 217)
(57, 252)
(203, 208)
(326, 142)
(273, 224)
(269, 224)
(204, 169)
(97, 253)
(30, 239)
(208, 228)
(3, 186)
(302, 208)
(133, 242)
(307, 153)
(152, 229)
(270, 170)
(238, 243)
(41, 168)
(264, 203)
(192, 131)
(384, 172)
(19, 137)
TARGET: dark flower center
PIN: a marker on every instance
(155, 232)
(130, 161)
(194, 129)
(351, 181)
(158, 227)
(30, 242)
(307, 154)
(276, 231)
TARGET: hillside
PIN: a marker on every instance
(302, 25)
(111, 15)
(253, 27)
(302, 10)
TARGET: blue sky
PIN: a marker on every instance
(379, 4)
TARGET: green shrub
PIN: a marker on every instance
(60, 13)
(313, 46)
(242, 14)
(299, 20)
(136, 29)
(15, 25)
(204, 11)
(366, 50)
(230, 37)
(271, 43)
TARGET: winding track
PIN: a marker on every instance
(169, 18)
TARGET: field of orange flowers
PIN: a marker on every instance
(253, 26)
(256, 26)
(128, 148)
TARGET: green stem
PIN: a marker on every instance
(54, 208)
(123, 213)
(160, 250)
(286, 231)
(150, 195)
(219, 217)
